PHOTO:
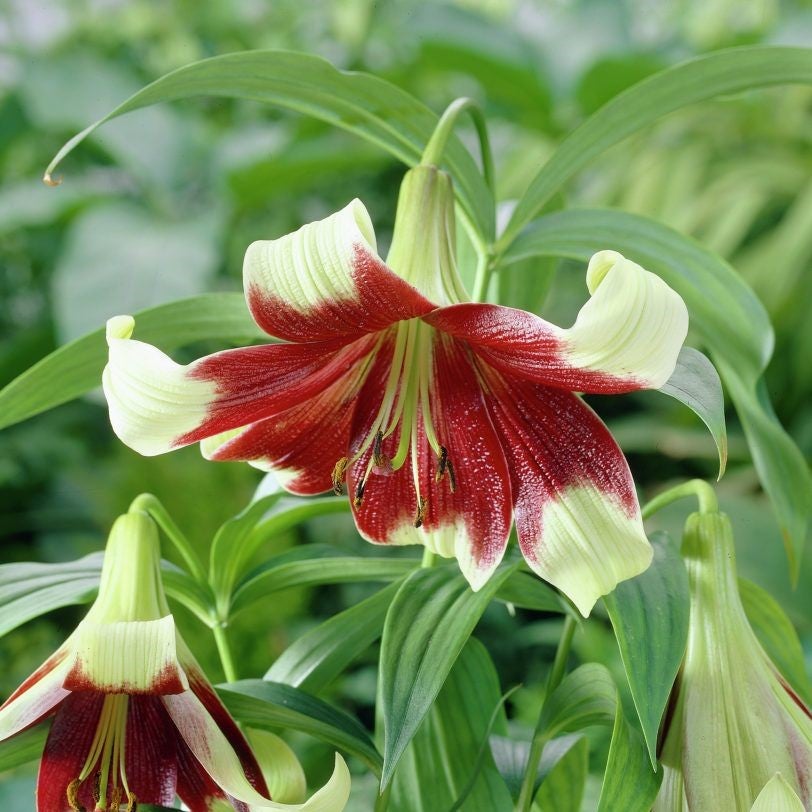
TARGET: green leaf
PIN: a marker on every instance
(529, 592)
(777, 635)
(23, 747)
(365, 105)
(721, 73)
(650, 616)
(78, 366)
(426, 627)
(271, 706)
(336, 569)
(562, 788)
(321, 654)
(727, 317)
(696, 383)
(28, 590)
(511, 757)
(629, 783)
(586, 696)
(447, 761)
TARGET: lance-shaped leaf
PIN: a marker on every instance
(426, 627)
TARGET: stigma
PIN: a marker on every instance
(104, 765)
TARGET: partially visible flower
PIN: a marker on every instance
(735, 722)
(448, 419)
(777, 796)
(134, 718)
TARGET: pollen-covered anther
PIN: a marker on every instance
(132, 802)
(444, 467)
(379, 459)
(359, 493)
(72, 793)
(338, 476)
(421, 512)
(115, 800)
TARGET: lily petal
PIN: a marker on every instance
(777, 796)
(300, 445)
(326, 281)
(131, 657)
(66, 748)
(575, 507)
(157, 405)
(151, 759)
(37, 696)
(467, 510)
(626, 337)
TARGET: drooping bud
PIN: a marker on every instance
(735, 723)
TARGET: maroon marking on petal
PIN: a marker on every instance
(519, 343)
(204, 691)
(382, 298)
(196, 788)
(151, 759)
(66, 750)
(553, 440)
(795, 698)
(168, 681)
(52, 662)
(480, 497)
(309, 438)
(258, 382)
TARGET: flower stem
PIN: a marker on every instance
(147, 503)
(382, 801)
(539, 736)
(224, 650)
(695, 487)
(482, 280)
(433, 152)
(428, 558)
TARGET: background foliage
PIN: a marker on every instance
(162, 203)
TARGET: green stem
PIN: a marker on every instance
(703, 492)
(428, 558)
(433, 153)
(382, 801)
(482, 280)
(224, 650)
(539, 736)
(148, 503)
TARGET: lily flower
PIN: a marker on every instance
(736, 723)
(447, 419)
(134, 718)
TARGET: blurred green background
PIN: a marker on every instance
(162, 203)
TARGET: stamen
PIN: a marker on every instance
(379, 459)
(441, 465)
(115, 800)
(72, 794)
(132, 802)
(338, 476)
(452, 480)
(421, 511)
(359, 493)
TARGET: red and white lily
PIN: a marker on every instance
(134, 718)
(448, 419)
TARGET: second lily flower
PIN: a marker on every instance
(448, 419)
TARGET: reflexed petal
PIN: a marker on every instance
(471, 521)
(281, 768)
(135, 657)
(37, 696)
(157, 405)
(575, 507)
(300, 445)
(66, 749)
(151, 759)
(326, 281)
(626, 337)
(777, 796)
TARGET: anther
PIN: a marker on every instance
(441, 465)
(97, 788)
(339, 473)
(421, 512)
(115, 800)
(359, 493)
(452, 480)
(379, 459)
(49, 180)
(132, 802)
(72, 793)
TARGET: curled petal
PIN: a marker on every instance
(626, 337)
(575, 507)
(326, 281)
(37, 696)
(157, 405)
(131, 657)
